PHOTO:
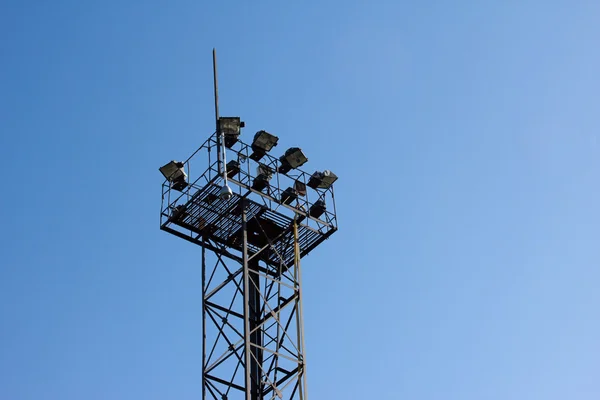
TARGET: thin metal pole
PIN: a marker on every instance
(216, 90)
(256, 339)
(204, 320)
(299, 314)
(224, 158)
(216, 87)
(248, 354)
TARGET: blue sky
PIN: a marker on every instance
(465, 135)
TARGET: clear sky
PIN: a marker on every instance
(465, 135)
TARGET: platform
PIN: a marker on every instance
(270, 233)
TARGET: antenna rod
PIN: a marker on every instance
(220, 136)
(216, 86)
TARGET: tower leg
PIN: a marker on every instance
(255, 316)
(252, 312)
(253, 330)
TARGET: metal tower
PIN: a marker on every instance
(254, 216)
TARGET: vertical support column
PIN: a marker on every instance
(216, 89)
(259, 349)
(252, 315)
(299, 315)
(204, 320)
(247, 341)
(256, 335)
(220, 164)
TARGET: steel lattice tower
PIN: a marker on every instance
(252, 241)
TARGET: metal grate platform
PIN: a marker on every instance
(270, 233)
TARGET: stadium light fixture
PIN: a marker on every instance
(173, 171)
(300, 188)
(322, 180)
(230, 128)
(292, 158)
(263, 177)
(317, 209)
(263, 142)
(288, 196)
(233, 168)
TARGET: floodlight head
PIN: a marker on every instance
(172, 169)
(263, 142)
(179, 211)
(233, 168)
(322, 180)
(292, 158)
(225, 193)
(260, 183)
(174, 173)
(288, 196)
(230, 128)
(262, 169)
(300, 188)
(263, 176)
(317, 209)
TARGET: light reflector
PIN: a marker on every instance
(174, 173)
(233, 168)
(263, 143)
(317, 209)
(288, 196)
(300, 188)
(292, 158)
(263, 176)
(322, 180)
(230, 128)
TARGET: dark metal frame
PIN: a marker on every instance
(252, 243)
(185, 213)
(252, 309)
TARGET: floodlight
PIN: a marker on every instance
(317, 209)
(261, 181)
(263, 142)
(292, 158)
(171, 169)
(180, 185)
(179, 212)
(225, 193)
(174, 173)
(300, 188)
(288, 196)
(230, 128)
(262, 169)
(233, 168)
(322, 180)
